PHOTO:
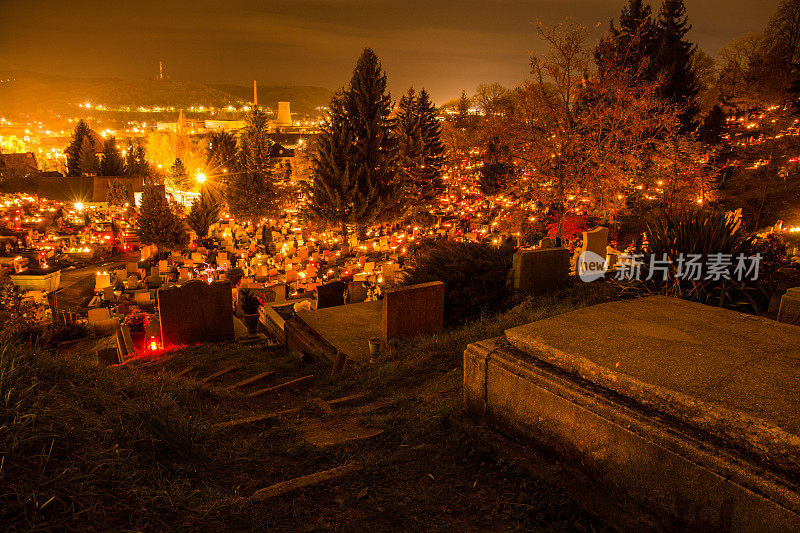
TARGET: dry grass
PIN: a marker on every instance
(125, 448)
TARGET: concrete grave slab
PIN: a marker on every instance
(690, 410)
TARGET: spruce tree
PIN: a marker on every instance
(221, 153)
(157, 223)
(117, 193)
(251, 192)
(633, 45)
(674, 57)
(72, 151)
(204, 212)
(136, 160)
(420, 151)
(178, 175)
(87, 159)
(355, 157)
(111, 164)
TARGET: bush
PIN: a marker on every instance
(705, 233)
(474, 276)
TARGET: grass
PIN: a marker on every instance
(134, 447)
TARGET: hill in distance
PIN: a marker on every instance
(23, 92)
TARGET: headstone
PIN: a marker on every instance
(595, 241)
(541, 270)
(331, 294)
(412, 310)
(163, 267)
(789, 311)
(107, 352)
(106, 327)
(547, 242)
(102, 280)
(96, 315)
(356, 292)
(124, 341)
(132, 268)
(196, 312)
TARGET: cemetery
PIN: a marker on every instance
(566, 304)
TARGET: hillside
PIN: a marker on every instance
(31, 93)
(304, 98)
(171, 442)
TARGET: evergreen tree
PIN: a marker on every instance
(117, 194)
(73, 150)
(221, 153)
(674, 57)
(136, 160)
(87, 158)
(632, 46)
(178, 175)
(251, 192)
(710, 131)
(420, 151)
(355, 157)
(204, 212)
(157, 223)
(111, 164)
(497, 171)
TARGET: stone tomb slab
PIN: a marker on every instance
(196, 312)
(347, 328)
(732, 375)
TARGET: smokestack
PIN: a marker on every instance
(255, 93)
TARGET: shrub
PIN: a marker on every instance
(474, 276)
(235, 276)
(248, 301)
(705, 233)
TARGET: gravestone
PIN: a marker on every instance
(96, 315)
(132, 268)
(196, 312)
(412, 310)
(330, 294)
(541, 270)
(596, 241)
(107, 353)
(789, 311)
(356, 292)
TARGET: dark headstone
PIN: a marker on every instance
(330, 294)
(196, 312)
(542, 270)
(356, 292)
(412, 310)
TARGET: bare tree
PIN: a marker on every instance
(582, 139)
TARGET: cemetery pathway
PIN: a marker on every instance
(77, 284)
(311, 448)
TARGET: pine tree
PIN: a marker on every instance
(157, 223)
(117, 193)
(221, 153)
(111, 164)
(178, 175)
(87, 159)
(72, 151)
(674, 57)
(497, 171)
(136, 160)
(632, 46)
(251, 192)
(420, 151)
(204, 212)
(355, 157)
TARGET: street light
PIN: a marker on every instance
(201, 177)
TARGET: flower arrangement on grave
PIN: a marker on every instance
(136, 319)
(249, 301)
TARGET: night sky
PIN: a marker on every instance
(442, 45)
